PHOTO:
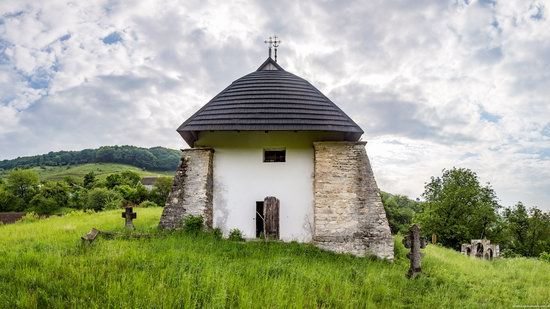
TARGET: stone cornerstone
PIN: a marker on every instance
(349, 215)
(191, 192)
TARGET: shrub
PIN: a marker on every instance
(509, 253)
(146, 204)
(193, 224)
(236, 235)
(545, 256)
(102, 198)
(29, 218)
(43, 205)
(23, 184)
(217, 233)
(161, 190)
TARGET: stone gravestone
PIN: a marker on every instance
(129, 215)
(413, 241)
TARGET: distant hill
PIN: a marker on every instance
(101, 170)
(151, 159)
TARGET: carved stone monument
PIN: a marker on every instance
(413, 241)
(129, 215)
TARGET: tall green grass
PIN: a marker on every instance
(43, 264)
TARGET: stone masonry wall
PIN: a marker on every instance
(349, 215)
(191, 190)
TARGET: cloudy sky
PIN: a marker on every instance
(434, 84)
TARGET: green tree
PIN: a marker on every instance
(23, 184)
(528, 231)
(130, 178)
(10, 202)
(161, 189)
(102, 198)
(78, 198)
(57, 191)
(89, 180)
(113, 180)
(400, 211)
(457, 208)
(43, 205)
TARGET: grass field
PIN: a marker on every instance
(102, 170)
(43, 264)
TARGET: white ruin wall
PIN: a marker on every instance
(349, 215)
(191, 190)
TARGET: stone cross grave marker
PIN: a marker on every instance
(413, 241)
(129, 215)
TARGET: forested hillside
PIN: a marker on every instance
(156, 158)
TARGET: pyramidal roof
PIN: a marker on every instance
(269, 99)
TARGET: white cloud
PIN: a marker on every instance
(434, 84)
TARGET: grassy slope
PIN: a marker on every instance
(43, 264)
(102, 170)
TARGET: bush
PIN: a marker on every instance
(509, 253)
(102, 198)
(161, 190)
(29, 218)
(146, 204)
(23, 184)
(217, 233)
(545, 256)
(236, 235)
(43, 205)
(193, 224)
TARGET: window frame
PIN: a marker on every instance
(283, 150)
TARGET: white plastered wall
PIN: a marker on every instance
(241, 178)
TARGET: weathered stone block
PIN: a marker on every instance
(349, 215)
(191, 190)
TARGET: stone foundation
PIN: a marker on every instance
(192, 189)
(349, 215)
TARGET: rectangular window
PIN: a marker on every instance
(274, 155)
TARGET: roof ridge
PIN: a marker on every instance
(270, 60)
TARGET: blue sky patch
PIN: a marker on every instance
(65, 37)
(539, 15)
(485, 115)
(112, 38)
(39, 80)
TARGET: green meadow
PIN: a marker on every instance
(102, 170)
(43, 264)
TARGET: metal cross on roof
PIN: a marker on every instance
(273, 42)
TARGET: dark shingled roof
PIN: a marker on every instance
(269, 99)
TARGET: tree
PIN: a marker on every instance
(102, 198)
(161, 189)
(78, 198)
(43, 205)
(23, 184)
(130, 178)
(89, 180)
(57, 191)
(528, 231)
(457, 208)
(400, 211)
(9, 202)
(113, 180)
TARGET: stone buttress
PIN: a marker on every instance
(348, 212)
(191, 192)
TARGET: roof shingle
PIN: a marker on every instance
(273, 100)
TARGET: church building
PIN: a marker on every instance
(272, 156)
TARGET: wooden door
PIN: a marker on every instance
(271, 217)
